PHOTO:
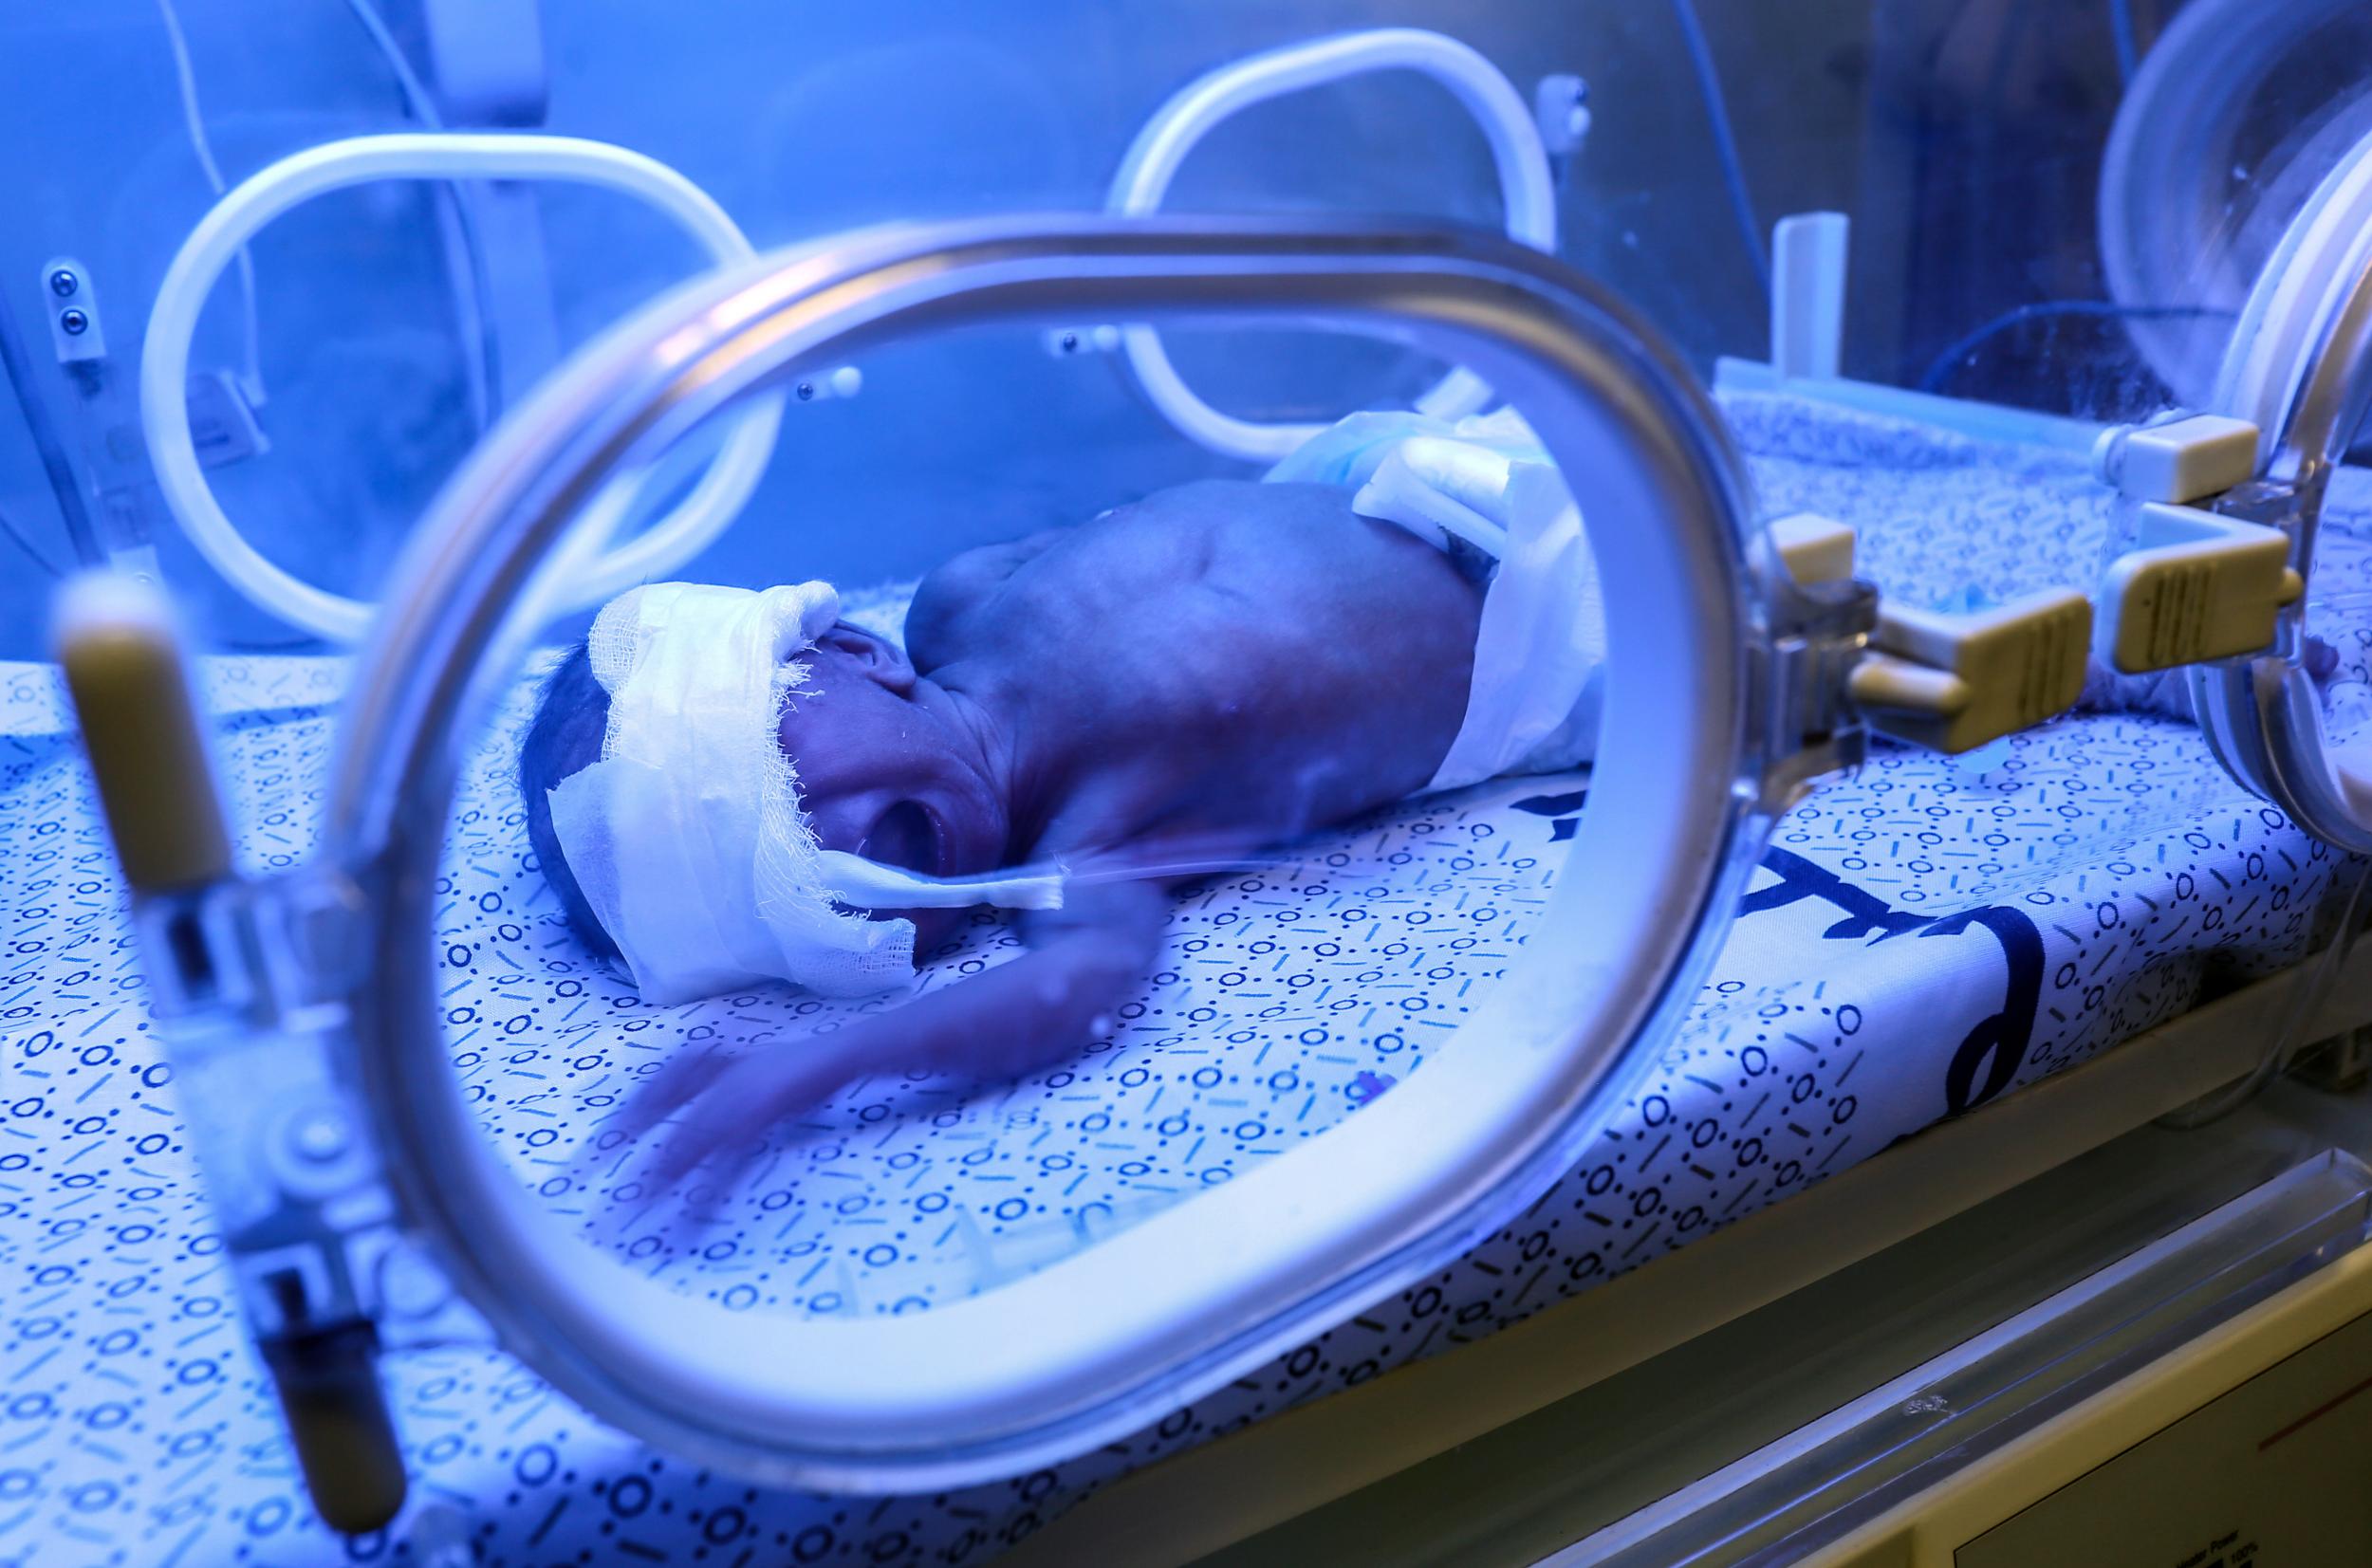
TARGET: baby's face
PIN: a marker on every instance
(887, 769)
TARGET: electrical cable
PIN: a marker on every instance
(1725, 142)
(2120, 30)
(415, 96)
(1940, 368)
(193, 119)
(454, 219)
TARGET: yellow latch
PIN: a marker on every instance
(2198, 586)
(1954, 682)
(1811, 548)
(2182, 460)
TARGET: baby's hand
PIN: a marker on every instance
(1020, 1018)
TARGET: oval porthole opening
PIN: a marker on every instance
(1099, 1339)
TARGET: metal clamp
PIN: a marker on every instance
(1949, 682)
(1822, 617)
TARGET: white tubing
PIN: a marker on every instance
(1153, 160)
(359, 160)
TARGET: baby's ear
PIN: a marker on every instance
(884, 661)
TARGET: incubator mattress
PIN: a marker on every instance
(1919, 940)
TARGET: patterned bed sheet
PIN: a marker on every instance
(1918, 940)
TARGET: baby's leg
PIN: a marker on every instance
(2167, 692)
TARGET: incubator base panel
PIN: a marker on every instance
(2199, 1400)
(2266, 1473)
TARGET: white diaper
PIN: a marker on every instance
(1485, 483)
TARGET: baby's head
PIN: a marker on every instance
(563, 738)
(875, 760)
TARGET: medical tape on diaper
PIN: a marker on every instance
(1540, 642)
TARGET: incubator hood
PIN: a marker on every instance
(1723, 697)
(1790, 527)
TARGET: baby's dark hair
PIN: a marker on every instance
(572, 715)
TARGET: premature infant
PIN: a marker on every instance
(729, 787)
(1164, 689)
(1188, 677)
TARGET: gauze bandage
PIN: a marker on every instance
(1487, 483)
(687, 838)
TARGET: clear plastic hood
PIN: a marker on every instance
(1001, 712)
(2053, 209)
(2236, 116)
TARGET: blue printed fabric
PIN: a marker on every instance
(1918, 940)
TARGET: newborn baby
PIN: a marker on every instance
(728, 786)
(1164, 689)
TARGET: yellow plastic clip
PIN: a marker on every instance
(2198, 586)
(1954, 682)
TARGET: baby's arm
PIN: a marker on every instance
(1028, 1014)
(959, 586)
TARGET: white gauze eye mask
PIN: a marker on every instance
(687, 839)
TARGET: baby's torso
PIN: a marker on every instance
(1240, 657)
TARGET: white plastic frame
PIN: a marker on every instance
(1154, 158)
(359, 160)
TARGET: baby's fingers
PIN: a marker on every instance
(658, 1096)
(743, 1101)
(684, 1078)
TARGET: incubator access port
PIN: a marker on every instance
(701, 685)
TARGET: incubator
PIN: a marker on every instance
(1397, 783)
